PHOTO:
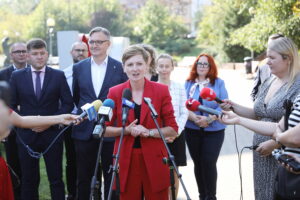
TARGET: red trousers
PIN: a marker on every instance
(138, 181)
(6, 190)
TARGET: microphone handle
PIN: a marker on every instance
(209, 110)
(83, 114)
(219, 101)
(125, 110)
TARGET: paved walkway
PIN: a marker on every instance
(228, 167)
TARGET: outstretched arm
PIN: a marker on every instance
(260, 127)
(35, 121)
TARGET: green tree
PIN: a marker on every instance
(218, 21)
(269, 17)
(74, 15)
(154, 25)
(111, 16)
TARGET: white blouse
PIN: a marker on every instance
(178, 94)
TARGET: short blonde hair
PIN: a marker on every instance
(134, 50)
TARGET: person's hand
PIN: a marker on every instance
(266, 148)
(128, 129)
(296, 159)
(201, 121)
(213, 117)
(226, 105)
(67, 119)
(229, 117)
(140, 130)
(39, 129)
(277, 132)
(170, 139)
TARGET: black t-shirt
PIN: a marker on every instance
(137, 115)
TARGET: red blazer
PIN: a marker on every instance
(153, 148)
(6, 189)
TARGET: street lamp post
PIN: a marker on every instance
(50, 25)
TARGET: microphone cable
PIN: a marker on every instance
(239, 161)
(38, 155)
(239, 153)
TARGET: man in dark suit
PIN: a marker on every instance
(92, 79)
(18, 54)
(40, 90)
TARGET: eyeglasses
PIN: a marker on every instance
(19, 52)
(80, 50)
(202, 65)
(97, 42)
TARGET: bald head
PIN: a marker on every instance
(18, 54)
(79, 51)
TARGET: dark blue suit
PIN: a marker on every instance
(86, 147)
(11, 148)
(55, 99)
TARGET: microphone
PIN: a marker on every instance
(209, 95)
(126, 104)
(147, 100)
(90, 110)
(194, 105)
(104, 114)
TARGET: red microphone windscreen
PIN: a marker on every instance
(192, 104)
(208, 94)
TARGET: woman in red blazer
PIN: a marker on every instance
(142, 170)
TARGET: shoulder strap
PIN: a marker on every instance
(288, 104)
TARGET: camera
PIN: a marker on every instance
(286, 159)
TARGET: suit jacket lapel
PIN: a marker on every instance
(29, 80)
(10, 71)
(108, 75)
(88, 75)
(147, 93)
(47, 79)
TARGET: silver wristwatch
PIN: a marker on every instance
(151, 133)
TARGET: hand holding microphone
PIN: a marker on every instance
(89, 111)
(209, 95)
(194, 105)
(229, 118)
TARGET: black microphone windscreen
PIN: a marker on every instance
(127, 94)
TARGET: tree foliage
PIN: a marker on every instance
(154, 25)
(79, 15)
(218, 22)
(269, 17)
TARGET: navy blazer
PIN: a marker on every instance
(83, 90)
(5, 73)
(55, 99)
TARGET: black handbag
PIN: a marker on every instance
(287, 184)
